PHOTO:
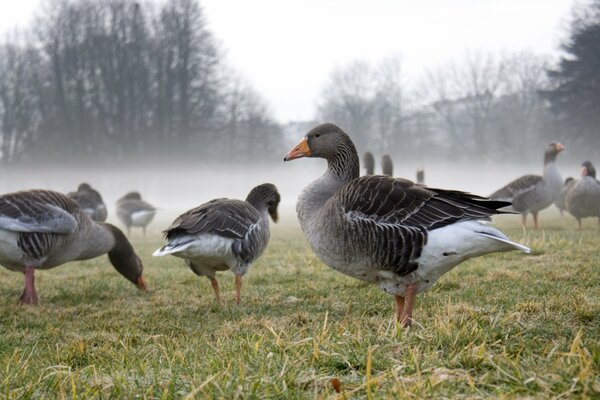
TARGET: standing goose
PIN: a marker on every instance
(583, 200)
(133, 211)
(42, 229)
(90, 201)
(385, 231)
(223, 234)
(560, 202)
(421, 176)
(532, 193)
(369, 161)
(387, 166)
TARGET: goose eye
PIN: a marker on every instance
(317, 134)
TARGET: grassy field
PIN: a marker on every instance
(506, 325)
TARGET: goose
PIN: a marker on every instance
(389, 231)
(223, 234)
(583, 200)
(532, 193)
(90, 201)
(42, 229)
(369, 161)
(560, 202)
(387, 166)
(421, 176)
(133, 211)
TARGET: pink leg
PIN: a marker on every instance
(399, 307)
(535, 220)
(29, 295)
(215, 286)
(409, 302)
(238, 288)
(524, 220)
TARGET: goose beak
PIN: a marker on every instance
(559, 147)
(141, 284)
(299, 151)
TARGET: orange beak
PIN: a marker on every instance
(559, 147)
(299, 151)
(141, 283)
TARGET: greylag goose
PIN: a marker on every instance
(90, 201)
(42, 229)
(133, 211)
(560, 202)
(386, 231)
(420, 176)
(223, 234)
(532, 193)
(387, 166)
(369, 161)
(583, 200)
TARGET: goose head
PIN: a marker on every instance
(84, 187)
(123, 258)
(132, 196)
(324, 141)
(588, 169)
(265, 196)
(552, 151)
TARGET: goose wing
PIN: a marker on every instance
(224, 217)
(39, 211)
(389, 218)
(518, 187)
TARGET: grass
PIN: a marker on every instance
(507, 325)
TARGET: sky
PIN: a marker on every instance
(287, 48)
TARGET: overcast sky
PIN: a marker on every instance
(287, 48)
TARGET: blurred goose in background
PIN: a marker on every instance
(90, 201)
(387, 166)
(583, 200)
(421, 176)
(133, 211)
(369, 161)
(385, 231)
(532, 193)
(42, 229)
(560, 202)
(224, 234)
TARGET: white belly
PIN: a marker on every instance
(142, 218)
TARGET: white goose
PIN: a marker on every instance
(385, 231)
(42, 229)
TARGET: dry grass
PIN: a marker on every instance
(506, 325)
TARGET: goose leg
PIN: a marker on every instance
(399, 307)
(535, 219)
(409, 302)
(578, 223)
(215, 285)
(524, 220)
(238, 288)
(29, 295)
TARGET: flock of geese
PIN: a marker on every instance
(390, 232)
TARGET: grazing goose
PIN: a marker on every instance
(583, 200)
(369, 161)
(532, 193)
(90, 201)
(223, 234)
(42, 229)
(133, 211)
(387, 166)
(420, 176)
(386, 231)
(560, 202)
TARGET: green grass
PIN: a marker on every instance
(506, 325)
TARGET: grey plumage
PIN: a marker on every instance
(223, 234)
(41, 229)
(560, 201)
(133, 211)
(387, 231)
(583, 199)
(533, 193)
(90, 201)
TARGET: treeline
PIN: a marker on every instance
(120, 79)
(482, 106)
